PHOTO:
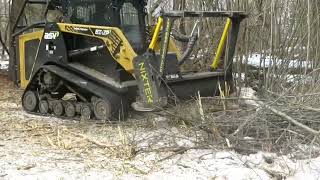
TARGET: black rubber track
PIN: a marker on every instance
(118, 102)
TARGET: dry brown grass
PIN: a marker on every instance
(214, 123)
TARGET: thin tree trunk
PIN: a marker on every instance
(309, 36)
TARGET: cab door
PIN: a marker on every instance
(28, 50)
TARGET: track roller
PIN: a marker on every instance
(69, 109)
(44, 107)
(30, 101)
(58, 108)
(101, 109)
(85, 112)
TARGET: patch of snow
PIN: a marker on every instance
(249, 96)
(202, 164)
(193, 164)
(298, 78)
(255, 60)
(302, 176)
(10, 105)
(4, 61)
(241, 75)
(21, 159)
(248, 138)
(4, 64)
(241, 173)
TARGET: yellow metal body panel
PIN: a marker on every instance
(155, 44)
(124, 57)
(126, 53)
(221, 45)
(22, 40)
(156, 33)
(172, 48)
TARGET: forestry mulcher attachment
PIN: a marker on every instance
(101, 54)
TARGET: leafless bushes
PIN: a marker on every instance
(274, 126)
(285, 35)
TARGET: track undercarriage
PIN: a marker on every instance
(49, 94)
(75, 98)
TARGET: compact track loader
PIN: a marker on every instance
(101, 53)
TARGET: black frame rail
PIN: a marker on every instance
(181, 14)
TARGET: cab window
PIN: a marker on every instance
(129, 15)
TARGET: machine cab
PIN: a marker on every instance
(128, 15)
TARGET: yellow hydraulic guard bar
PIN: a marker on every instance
(222, 42)
(156, 33)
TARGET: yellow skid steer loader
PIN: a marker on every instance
(101, 52)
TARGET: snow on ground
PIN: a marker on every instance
(4, 64)
(21, 160)
(4, 61)
(266, 61)
(249, 96)
(29, 150)
(255, 60)
(23, 157)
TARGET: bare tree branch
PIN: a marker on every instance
(290, 119)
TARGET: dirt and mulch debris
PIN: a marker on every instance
(196, 141)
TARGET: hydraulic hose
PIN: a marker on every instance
(192, 41)
(180, 37)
